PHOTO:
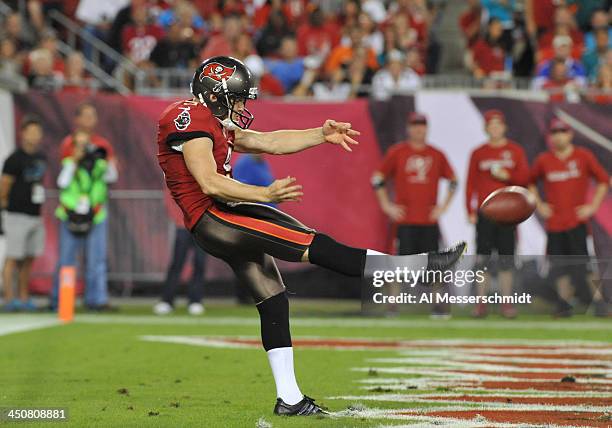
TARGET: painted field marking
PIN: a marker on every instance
(470, 405)
(19, 323)
(347, 322)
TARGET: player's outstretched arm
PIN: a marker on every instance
(199, 158)
(292, 141)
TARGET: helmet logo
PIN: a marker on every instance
(217, 72)
(183, 120)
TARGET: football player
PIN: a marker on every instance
(196, 138)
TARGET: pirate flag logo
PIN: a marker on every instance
(183, 120)
(217, 72)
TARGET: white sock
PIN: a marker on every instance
(281, 362)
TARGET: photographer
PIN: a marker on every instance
(83, 183)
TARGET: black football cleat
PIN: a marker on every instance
(306, 407)
(445, 259)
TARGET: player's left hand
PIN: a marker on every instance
(339, 133)
(584, 212)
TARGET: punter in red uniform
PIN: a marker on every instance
(196, 138)
(497, 163)
(566, 171)
(415, 168)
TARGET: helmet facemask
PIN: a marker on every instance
(242, 119)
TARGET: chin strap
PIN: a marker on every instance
(229, 124)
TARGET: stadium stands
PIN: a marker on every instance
(325, 49)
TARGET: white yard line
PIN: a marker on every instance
(18, 323)
(506, 393)
(459, 357)
(452, 405)
(429, 421)
(350, 323)
(443, 374)
(499, 368)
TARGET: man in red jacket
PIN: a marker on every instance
(566, 171)
(496, 164)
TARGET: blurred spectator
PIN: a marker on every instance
(289, 68)
(502, 10)
(41, 76)
(183, 245)
(592, 58)
(223, 43)
(414, 61)
(175, 49)
(74, 74)
(182, 11)
(22, 195)
(600, 21)
(360, 73)
(602, 89)
(317, 36)
(86, 120)
(394, 78)
(334, 88)
(374, 9)
(539, 16)
(267, 84)
(487, 53)
(17, 30)
(138, 39)
(567, 173)
(558, 82)
(292, 10)
(83, 183)
(495, 164)
(373, 38)
(416, 17)
(564, 25)
(469, 22)
(270, 38)
(49, 41)
(348, 17)
(96, 13)
(575, 71)
(122, 19)
(11, 64)
(412, 170)
(585, 11)
(342, 54)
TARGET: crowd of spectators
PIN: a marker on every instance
(328, 49)
(562, 45)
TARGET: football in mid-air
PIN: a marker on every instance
(509, 205)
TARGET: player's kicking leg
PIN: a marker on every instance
(248, 236)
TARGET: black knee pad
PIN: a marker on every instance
(274, 317)
(326, 252)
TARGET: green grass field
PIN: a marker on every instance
(99, 368)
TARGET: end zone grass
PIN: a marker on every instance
(100, 369)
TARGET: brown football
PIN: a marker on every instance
(509, 205)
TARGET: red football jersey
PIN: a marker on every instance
(181, 122)
(566, 182)
(481, 183)
(415, 174)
